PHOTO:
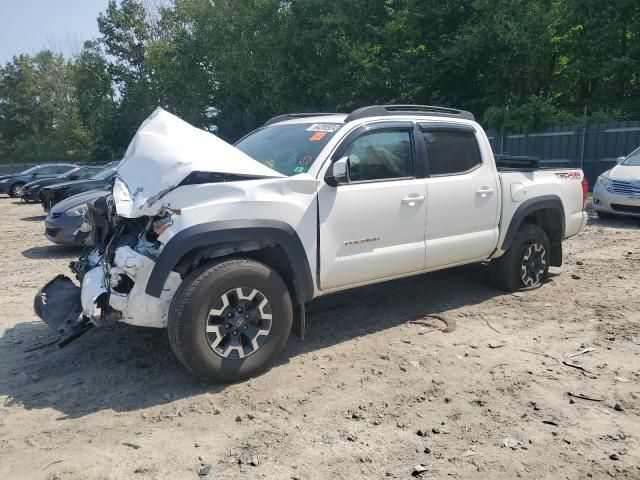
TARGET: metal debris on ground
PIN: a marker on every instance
(435, 321)
(582, 352)
(575, 365)
(584, 397)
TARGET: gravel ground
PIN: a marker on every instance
(372, 392)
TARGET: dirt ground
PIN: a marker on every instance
(368, 393)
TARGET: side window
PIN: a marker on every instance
(451, 151)
(381, 155)
(65, 168)
(52, 170)
(86, 173)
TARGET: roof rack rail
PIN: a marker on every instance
(290, 116)
(384, 110)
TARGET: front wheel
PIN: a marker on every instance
(525, 265)
(16, 190)
(230, 320)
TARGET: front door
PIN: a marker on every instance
(373, 227)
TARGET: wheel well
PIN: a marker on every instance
(267, 252)
(551, 221)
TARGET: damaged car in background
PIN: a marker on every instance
(223, 245)
(65, 225)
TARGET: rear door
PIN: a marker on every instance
(373, 227)
(462, 196)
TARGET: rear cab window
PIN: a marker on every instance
(289, 149)
(451, 151)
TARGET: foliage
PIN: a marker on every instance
(228, 65)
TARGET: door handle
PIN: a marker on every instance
(411, 200)
(484, 192)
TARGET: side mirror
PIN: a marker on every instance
(619, 160)
(338, 173)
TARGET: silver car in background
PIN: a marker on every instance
(617, 191)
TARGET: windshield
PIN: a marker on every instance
(633, 159)
(104, 174)
(30, 170)
(288, 149)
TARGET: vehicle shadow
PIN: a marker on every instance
(34, 218)
(614, 222)
(127, 368)
(52, 251)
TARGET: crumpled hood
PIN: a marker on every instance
(164, 151)
(628, 173)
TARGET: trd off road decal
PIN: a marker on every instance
(569, 175)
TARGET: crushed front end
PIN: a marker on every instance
(165, 165)
(112, 275)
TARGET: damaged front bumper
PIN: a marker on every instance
(118, 293)
(113, 278)
(113, 293)
(58, 305)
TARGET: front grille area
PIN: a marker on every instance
(626, 208)
(625, 188)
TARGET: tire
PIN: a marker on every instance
(199, 320)
(605, 215)
(16, 190)
(525, 266)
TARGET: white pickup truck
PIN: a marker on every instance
(223, 245)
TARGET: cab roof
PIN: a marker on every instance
(373, 111)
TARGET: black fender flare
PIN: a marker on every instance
(527, 208)
(230, 231)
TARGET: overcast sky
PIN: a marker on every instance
(27, 26)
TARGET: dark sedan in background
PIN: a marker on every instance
(66, 217)
(31, 191)
(56, 193)
(12, 185)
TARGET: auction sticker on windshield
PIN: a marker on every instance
(324, 127)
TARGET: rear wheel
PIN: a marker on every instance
(230, 320)
(525, 265)
(16, 190)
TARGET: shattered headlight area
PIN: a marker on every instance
(113, 275)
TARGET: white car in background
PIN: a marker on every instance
(617, 191)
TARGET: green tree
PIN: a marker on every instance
(39, 117)
(96, 101)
